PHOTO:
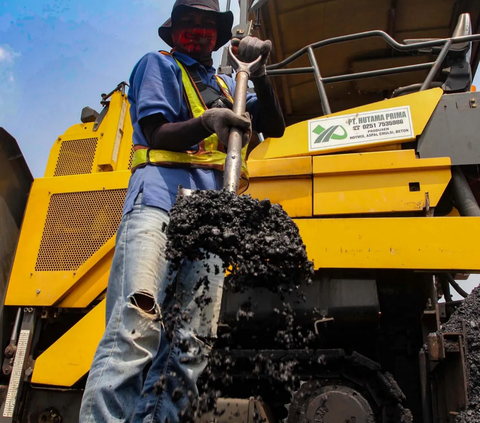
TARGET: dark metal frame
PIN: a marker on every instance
(120, 87)
(22, 367)
(446, 43)
(444, 377)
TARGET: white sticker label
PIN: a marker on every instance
(16, 374)
(360, 129)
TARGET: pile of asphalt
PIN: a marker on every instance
(258, 242)
(469, 312)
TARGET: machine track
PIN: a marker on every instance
(324, 386)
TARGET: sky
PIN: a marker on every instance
(59, 56)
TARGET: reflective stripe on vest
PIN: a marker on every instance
(208, 155)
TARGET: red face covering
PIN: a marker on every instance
(196, 41)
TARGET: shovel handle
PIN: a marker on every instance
(233, 162)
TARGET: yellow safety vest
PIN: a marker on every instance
(211, 152)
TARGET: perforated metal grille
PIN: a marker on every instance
(76, 157)
(77, 225)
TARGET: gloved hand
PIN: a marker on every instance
(249, 48)
(220, 121)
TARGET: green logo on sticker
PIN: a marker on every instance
(336, 132)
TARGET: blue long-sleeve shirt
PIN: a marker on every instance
(156, 87)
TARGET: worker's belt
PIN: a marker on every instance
(144, 156)
(207, 159)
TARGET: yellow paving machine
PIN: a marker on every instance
(379, 168)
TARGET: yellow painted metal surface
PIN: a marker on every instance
(92, 282)
(292, 166)
(43, 274)
(423, 243)
(284, 181)
(294, 195)
(377, 182)
(443, 243)
(70, 357)
(295, 141)
(66, 145)
(113, 128)
(68, 234)
(81, 150)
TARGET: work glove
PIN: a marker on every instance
(221, 121)
(248, 50)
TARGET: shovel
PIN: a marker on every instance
(233, 162)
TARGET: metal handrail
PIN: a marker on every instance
(446, 43)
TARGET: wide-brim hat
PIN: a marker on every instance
(224, 20)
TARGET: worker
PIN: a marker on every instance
(181, 116)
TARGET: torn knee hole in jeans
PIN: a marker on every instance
(145, 301)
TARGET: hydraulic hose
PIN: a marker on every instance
(445, 287)
(455, 285)
(409, 89)
(467, 205)
(463, 197)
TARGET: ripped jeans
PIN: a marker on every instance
(117, 390)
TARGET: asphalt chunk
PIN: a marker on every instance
(257, 241)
